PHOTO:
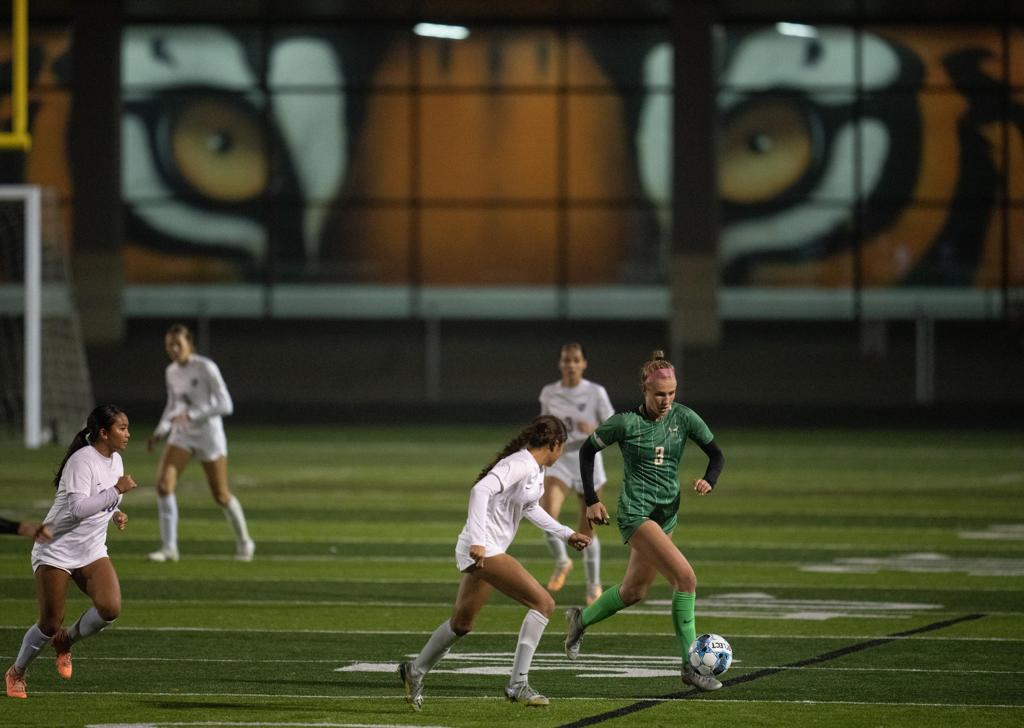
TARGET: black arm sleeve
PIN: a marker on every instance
(587, 453)
(12, 526)
(716, 461)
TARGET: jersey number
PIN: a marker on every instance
(659, 455)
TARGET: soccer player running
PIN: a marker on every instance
(581, 405)
(505, 492)
(192, 422)
(90, 484)
(651, 439)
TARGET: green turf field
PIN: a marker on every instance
(863, 578)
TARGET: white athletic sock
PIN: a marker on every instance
(167, 509)
(529, 637)
(236, 517)
(592, 561)
(436, 648)
(33, 641)
(557, 547)
(88, 624)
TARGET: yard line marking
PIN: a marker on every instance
(672, 660)
(767, 672)
(476, 698)
(494, 633)
(251, 724)
(235, 723)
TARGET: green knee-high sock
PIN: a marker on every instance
(682, 619)
(606, 605)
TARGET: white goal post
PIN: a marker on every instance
(40, 321)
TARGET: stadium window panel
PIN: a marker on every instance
(629, 166)
(931, 245)
(942, 146)
(622, 57)
(782, 150)
(380, 166)
(1015, 272)
(809, 245)
(615, 245)
(488, 146)
(364, 243)
(941, 57)
(1016, 51)
(215, 57)
(303, 57)
(506, 58)
(788, 57)
(498, 246)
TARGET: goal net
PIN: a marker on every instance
(45, 390)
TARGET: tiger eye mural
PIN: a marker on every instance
(892, 156)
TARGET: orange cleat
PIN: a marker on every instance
(62, 645)
(593, 592)
(557, 580)
(16, 687)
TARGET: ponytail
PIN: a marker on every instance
(542, 431)
(101, 418)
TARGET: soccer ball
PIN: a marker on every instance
(710, 654)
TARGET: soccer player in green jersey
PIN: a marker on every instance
(651, 439)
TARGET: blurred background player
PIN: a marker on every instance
(34, 531)
(90, 483)
(651, 438)
(581, 405)
(505, 492)
(197, 400)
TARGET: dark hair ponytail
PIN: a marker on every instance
(101, 418)
(542, 431)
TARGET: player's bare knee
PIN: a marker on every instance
(50, 625)
(461, 627)
(632, 594)
(222, 497)
(110, 610)
(545, 605)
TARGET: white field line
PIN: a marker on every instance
(249, 724)
(668, 659)
(707, 613)
(433, 698)
(733, 635)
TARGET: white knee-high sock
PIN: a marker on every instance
(88, 624)
(592, 561)
(529, 637)
(167, 510)
(557, 547)
(236, 517)
(33, 641)
(437, 647)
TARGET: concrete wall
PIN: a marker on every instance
(762, 373)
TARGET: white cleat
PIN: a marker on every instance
(245, 550)
(413, 686)
(525, 695)
(163, 555)
(574, 632)
(701, 682)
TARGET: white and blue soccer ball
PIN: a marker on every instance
(710, 654)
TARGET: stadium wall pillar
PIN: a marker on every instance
(694, 272)
(96, 169)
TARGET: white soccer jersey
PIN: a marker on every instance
(80, 540)
(198, 388)
(587, 403)
(509, 492)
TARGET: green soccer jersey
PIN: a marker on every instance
(651, 452)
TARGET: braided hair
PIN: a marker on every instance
(542, 431)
